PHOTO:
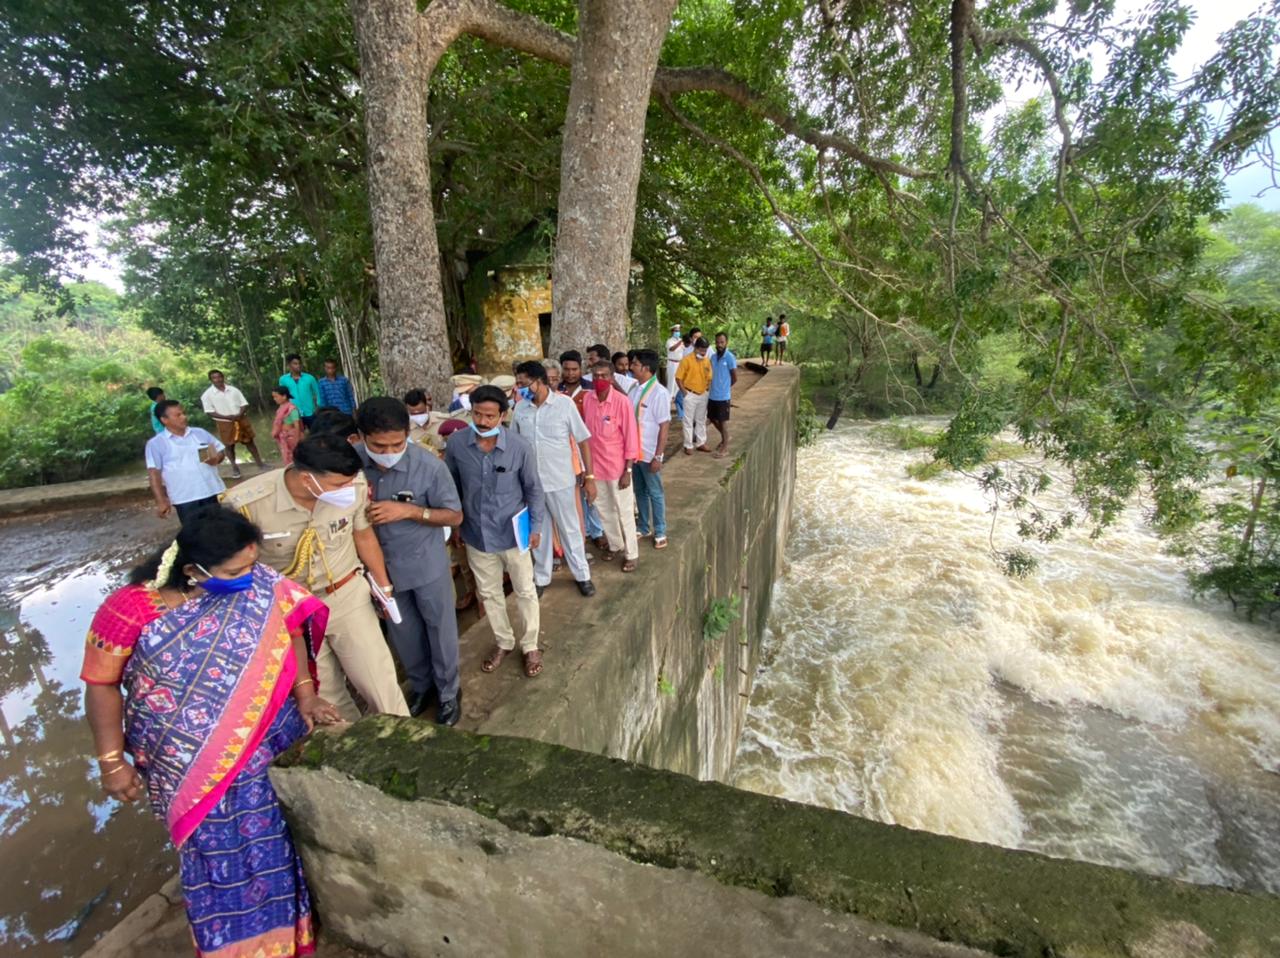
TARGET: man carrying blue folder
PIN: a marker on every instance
(497, 478)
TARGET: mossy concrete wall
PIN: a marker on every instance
(423, 841)
(633, 673)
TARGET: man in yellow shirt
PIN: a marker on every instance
(693, 378)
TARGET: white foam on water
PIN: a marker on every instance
(1093, 710)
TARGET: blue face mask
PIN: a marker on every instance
(525, 393)
(218, 586)
(486, 434)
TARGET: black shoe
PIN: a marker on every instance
(540, 589)
(587, 587)
(448, 713)
(421, 701)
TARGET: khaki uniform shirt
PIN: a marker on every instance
(325, 557)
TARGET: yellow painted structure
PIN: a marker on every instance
(517, 315)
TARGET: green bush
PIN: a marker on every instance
(78, 408)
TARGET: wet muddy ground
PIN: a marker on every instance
(75, 862)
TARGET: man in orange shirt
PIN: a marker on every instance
(615, 445)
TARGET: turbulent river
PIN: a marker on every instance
(1093, 711)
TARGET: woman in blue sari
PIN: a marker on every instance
(215, 654)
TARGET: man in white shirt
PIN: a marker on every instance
(675, 353)
(550, 422)
(653, 413)
(182, 464)
(228, 408)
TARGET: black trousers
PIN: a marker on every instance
(189, 510)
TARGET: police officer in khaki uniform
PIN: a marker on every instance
(315, 530)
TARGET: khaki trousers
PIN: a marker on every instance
(695, 420)
(617, 508)
(488, 568)
(354, 649)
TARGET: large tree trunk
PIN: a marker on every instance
(413, 347)
(615, 57)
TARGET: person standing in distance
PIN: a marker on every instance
(182, 464)
(302, 387)
(157, 396)
(413, 500)
(694, 380)
(229, 410)
(724, 376)
(316, 530)
(675, 353)
(335, 389)
(496, 473)
(780, 341)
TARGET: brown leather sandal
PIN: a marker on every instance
(495, 659)
(629, 565)
(532, 663)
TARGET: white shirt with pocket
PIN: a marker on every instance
(186, 478)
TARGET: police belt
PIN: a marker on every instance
(331, 589)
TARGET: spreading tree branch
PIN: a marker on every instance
(444, 21)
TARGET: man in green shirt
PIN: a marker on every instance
(303, 387)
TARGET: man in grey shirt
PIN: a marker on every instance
(551, 424)
(412, 500)
(497, 477)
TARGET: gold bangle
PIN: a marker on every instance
(112, 771)
(589, 475)
(117, 753)
(303, 682)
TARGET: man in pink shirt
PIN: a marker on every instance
(615, 444)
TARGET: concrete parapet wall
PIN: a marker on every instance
(425, 841)
(633, 675)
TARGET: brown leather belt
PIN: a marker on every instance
(331, 589)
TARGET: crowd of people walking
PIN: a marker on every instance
(288, 600)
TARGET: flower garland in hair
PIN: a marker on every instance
(166, 565)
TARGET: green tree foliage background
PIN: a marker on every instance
(74, 404)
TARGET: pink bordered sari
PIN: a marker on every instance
(208, 707)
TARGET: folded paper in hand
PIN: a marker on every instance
(387, 602)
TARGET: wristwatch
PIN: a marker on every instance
(658, 458)
(426, 514)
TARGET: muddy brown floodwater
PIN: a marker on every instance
(74, 861)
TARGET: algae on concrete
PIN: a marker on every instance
(1002, 901)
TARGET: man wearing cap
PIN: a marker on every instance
(675, 353)
(508, 386)
(463, 384)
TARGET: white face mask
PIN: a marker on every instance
(386, 459)
(419, 418)
(343, 498)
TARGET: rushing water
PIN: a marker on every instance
(1092, 711)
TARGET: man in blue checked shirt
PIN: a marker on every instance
(335, 389)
